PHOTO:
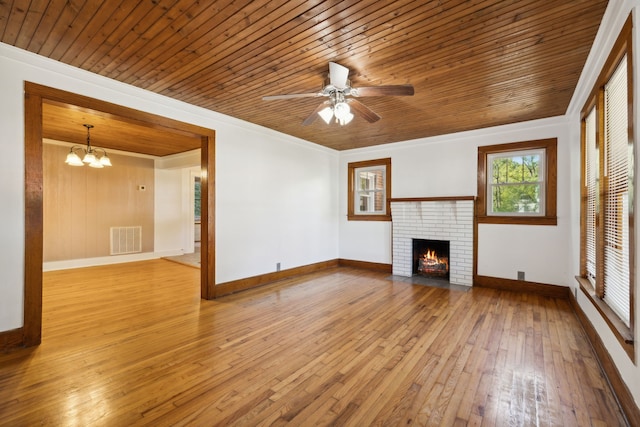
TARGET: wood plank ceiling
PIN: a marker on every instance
(473, 64)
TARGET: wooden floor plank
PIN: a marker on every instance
(133, 344)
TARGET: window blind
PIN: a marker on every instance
(591, 184)
(616, 228)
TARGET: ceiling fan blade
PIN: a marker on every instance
(392, 90)
(338, 75)
(292, 96)
(364, 111)
(312, 117)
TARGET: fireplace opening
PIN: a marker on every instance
(431, 258)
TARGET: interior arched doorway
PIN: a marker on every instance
(35, 98)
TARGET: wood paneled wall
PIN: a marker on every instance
(82, 203)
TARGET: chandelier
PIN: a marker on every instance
(93, 156)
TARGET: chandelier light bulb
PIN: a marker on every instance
(326, 114)
(346, 119)
(89, 157)
(73, 159)
(342, 111)
(105, 161)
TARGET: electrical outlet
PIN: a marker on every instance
(278, 267)
(520, 275)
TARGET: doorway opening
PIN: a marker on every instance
(36, 96)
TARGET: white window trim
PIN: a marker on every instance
(358, 193)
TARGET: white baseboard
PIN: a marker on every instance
(117, 259)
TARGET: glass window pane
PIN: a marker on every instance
(522, 168)
(379, 201)
(371, 179)
(517, 183)
(370, 192)
(364, 203)
(371, 202)
(516, 198)
(364, 182)
(378, 177)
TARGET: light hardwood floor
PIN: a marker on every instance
(134, 345)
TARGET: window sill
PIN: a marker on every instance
(522, 220)
(369, 217)
(620, 330)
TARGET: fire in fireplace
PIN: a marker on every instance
(431, 258)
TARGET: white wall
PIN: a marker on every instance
(280, 193)
(447, 166)
(173, 222)
(615, 16)
(174, 216)
(254, 165)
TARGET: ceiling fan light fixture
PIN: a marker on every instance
(341, 110)
(343, 114)
(326, 114)
(337, 90)
(346, 119)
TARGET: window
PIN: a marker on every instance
(516, 186)
(516, 183)
(606, 240)
(369, 190)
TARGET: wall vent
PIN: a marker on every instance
(126, 240)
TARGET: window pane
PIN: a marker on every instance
(379, 201)
(370, 195)
(516, 169)
(516, 198)
(371, 180)
(371, 201)
(365, 182)
(365, 203)
(517, 183)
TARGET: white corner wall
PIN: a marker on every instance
(447, 166)
(275, 193)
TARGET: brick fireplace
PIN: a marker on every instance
(444, 219)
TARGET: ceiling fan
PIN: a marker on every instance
(340, 104)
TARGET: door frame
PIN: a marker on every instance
(34, 96)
